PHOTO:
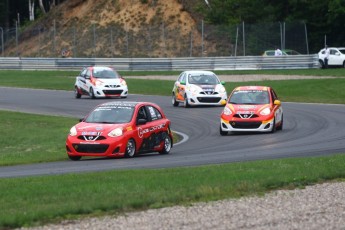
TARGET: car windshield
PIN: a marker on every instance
(253, 97)
(342, 51)
(104, 73)
(203, 79)
(111, 115)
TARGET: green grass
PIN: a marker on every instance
(36, 200)
(35, 138)
(330, 90)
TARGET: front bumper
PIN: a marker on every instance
(76, 147)
(204, 99)
(247, 126)
(111, 92)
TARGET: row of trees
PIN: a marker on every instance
(325, 19)
(14, 12)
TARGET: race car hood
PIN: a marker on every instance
(247, 109)
(110, 81)
(209, 88)
(84, 128)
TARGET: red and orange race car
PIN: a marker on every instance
(252, 109)
(120, 129)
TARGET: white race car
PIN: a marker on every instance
(100, 81)
(198, 87)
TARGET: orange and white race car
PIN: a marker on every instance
(251, 109)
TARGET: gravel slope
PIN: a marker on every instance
(316, 207)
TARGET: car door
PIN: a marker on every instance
(143, 126)
(159, 127)
(180, 87)
(334, 57)
(278, 110)
(87, 78)
(82, 80)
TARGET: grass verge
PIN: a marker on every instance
(34, 138)
(315, 90)
(37, 200)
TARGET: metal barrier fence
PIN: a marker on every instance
(154, 40)
(149, 64)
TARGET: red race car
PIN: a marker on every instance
(120, 129)
(251, 109)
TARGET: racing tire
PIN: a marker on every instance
(167, 145)
(92, 93)
(173, 100)
(344, 64)
(130, 148)
(274, 128)
(221, 132)
(76, 92)
(74, 158)
(280, 127)
(185, 103)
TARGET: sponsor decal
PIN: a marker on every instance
(91, 133)
(141, 131)
(247, 107)
(245, 112)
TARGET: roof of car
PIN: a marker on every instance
(120, 103)
(199, 72)
(250, 87)
(125, 103)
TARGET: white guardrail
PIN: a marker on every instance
(147, 64)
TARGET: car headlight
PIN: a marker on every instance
(99, 83)
(193, 89)
(116, 132)
(73, 131)
(265, 112)
(123, 83)
(227, 111)
(221, 89)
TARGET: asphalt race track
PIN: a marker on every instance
(309, 130)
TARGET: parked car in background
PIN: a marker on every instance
(100, 81)
(120, 129)
(284, 52)
(251, 109)
(336, 57)
(198, 87)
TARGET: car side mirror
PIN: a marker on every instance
(277, 102)
(222, 82)
(183, 83)
(81, 119)
(223, 102)
(141, 121)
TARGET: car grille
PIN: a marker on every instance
(208, 99)
(91, 138)
(112, 86)
(113, 91)
(90, 148)
(209, 93)
(246, 116)
(245, 125)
